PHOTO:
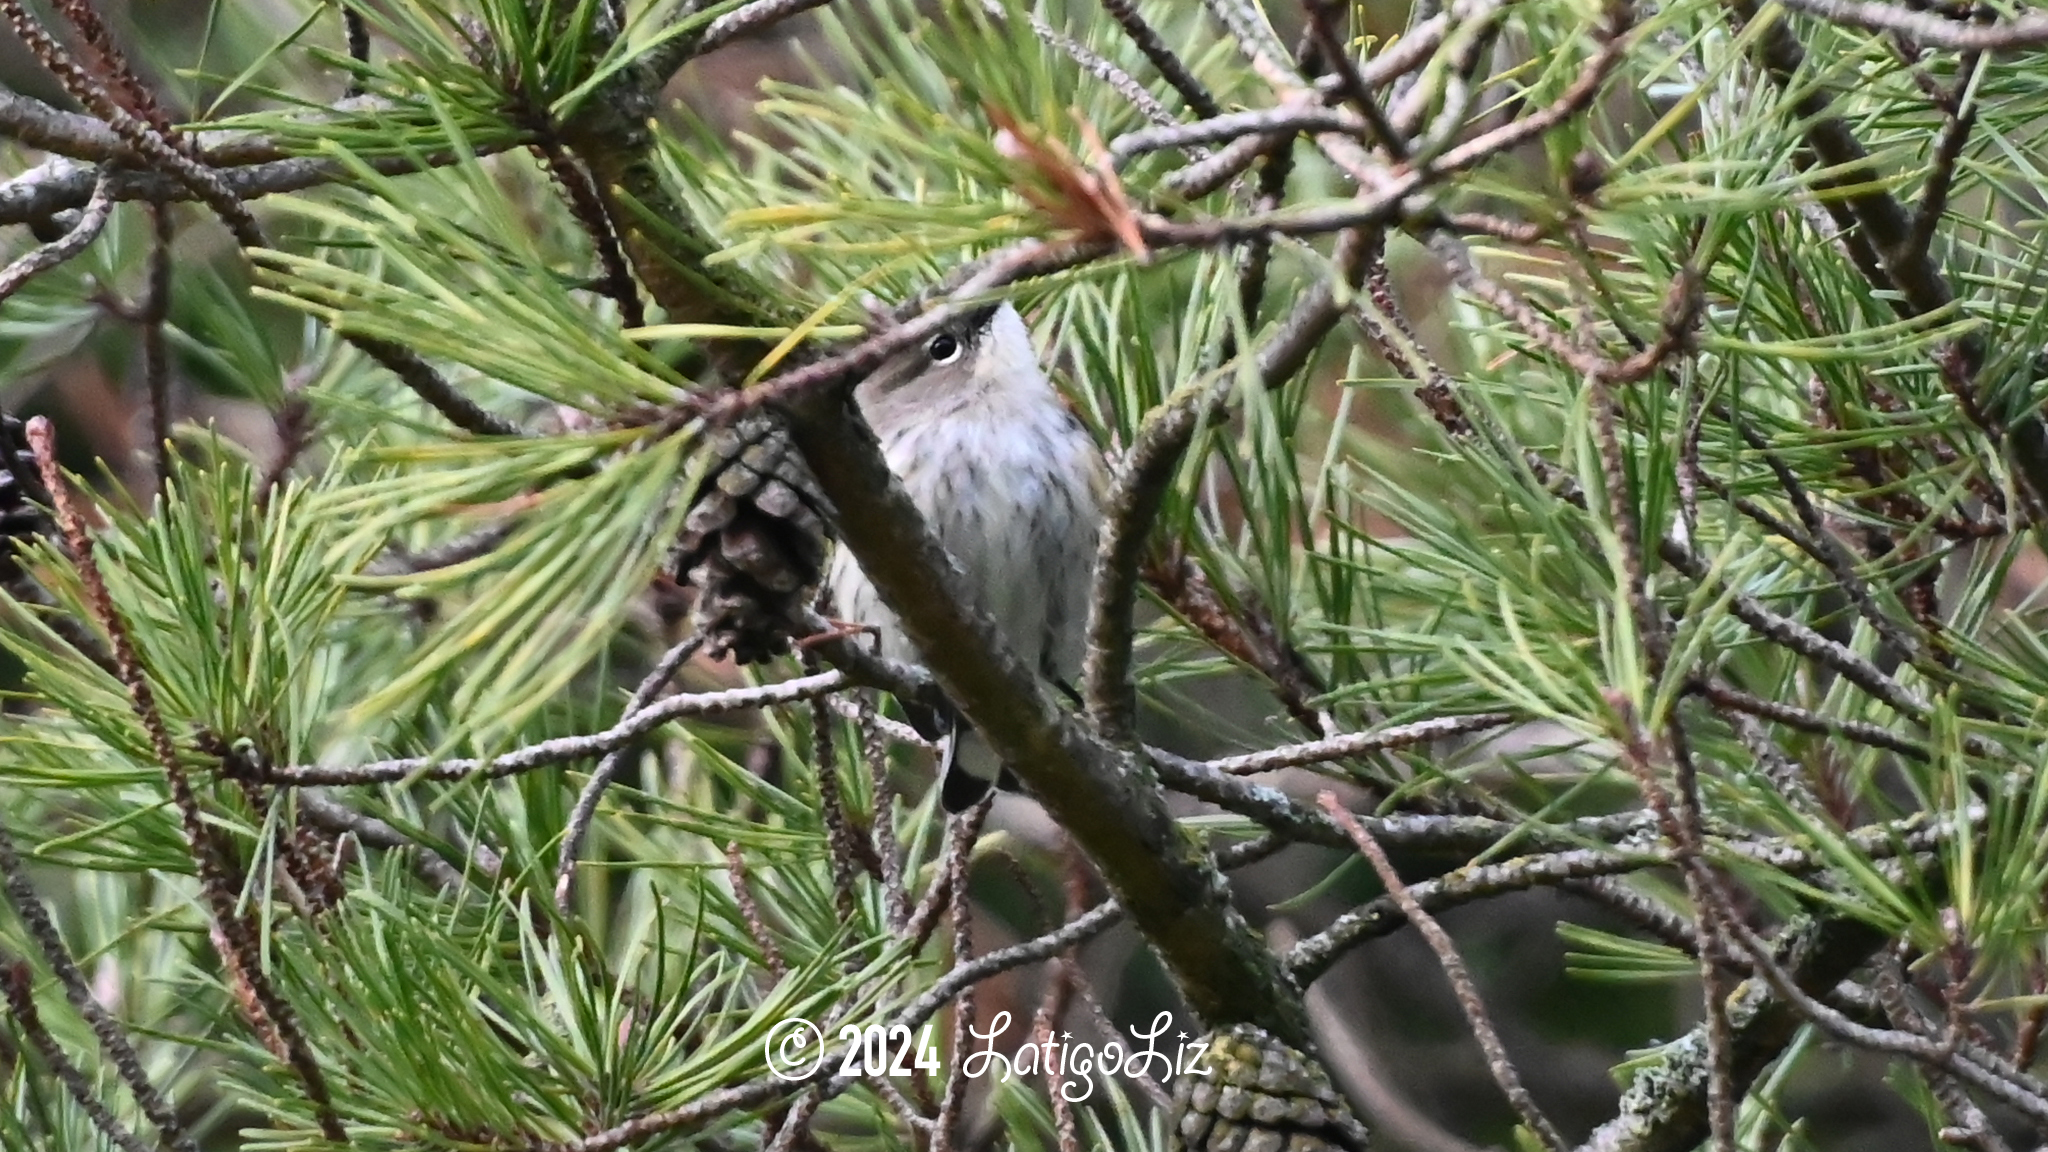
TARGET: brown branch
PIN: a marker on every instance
(961, 832)
(1981, 1070)
(1613, 49)
(1333, 52)
(1314, 956)
(1139, 490)
(1948, 149)
(745, 20)
(356, 31)
(41, 126)
(337, 818)
(753, 1094)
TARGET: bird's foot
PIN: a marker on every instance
(839, 630)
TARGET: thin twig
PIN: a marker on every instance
(587, 204)
(1453, 966)
(437, 869)
(415, 373)
(1722, 1096)
(1822, 546)
(113, 1040)
(1948, 149)
(18, 987)
(875, 754)
(396, 560)
(900, 1104)
(1091, 62)
(156, 368)
(1285, 120)
(1255, 258)
(745, 20)
(1650, 630)
(156, 149)
(607, 769)
(1170, 66)
(1647, 913)
(832, 806)
(41, 126)
(1342, 1034)
(1202, 177)
(946, 988)
(1052, 1008)
(1358, 743)
(1666, 1107)
(58, 185)
(1930, 29)
(1724, 695)
(565, 748)
(1983, 1070)
(112, 67)
(91, 222)
(1613, 40)
(1272, 809)
(1334, 44)
(1798, 637)
(954, 1098)
(750, 912)
(796, 1122)
(1969, 1127)
(752, 1094)
(1308, 960)
(961, 832)
(1138, 490)
(357, 32)
(1252, 33)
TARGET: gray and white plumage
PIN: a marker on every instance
(1010, 482)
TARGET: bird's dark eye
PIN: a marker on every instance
(944, 349)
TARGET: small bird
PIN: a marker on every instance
(1013, 486)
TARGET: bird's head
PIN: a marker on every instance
(975, 356)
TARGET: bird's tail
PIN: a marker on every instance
(969, 769)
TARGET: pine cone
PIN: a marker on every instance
(1260, 1095)
(754, 542)
(23, 499)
